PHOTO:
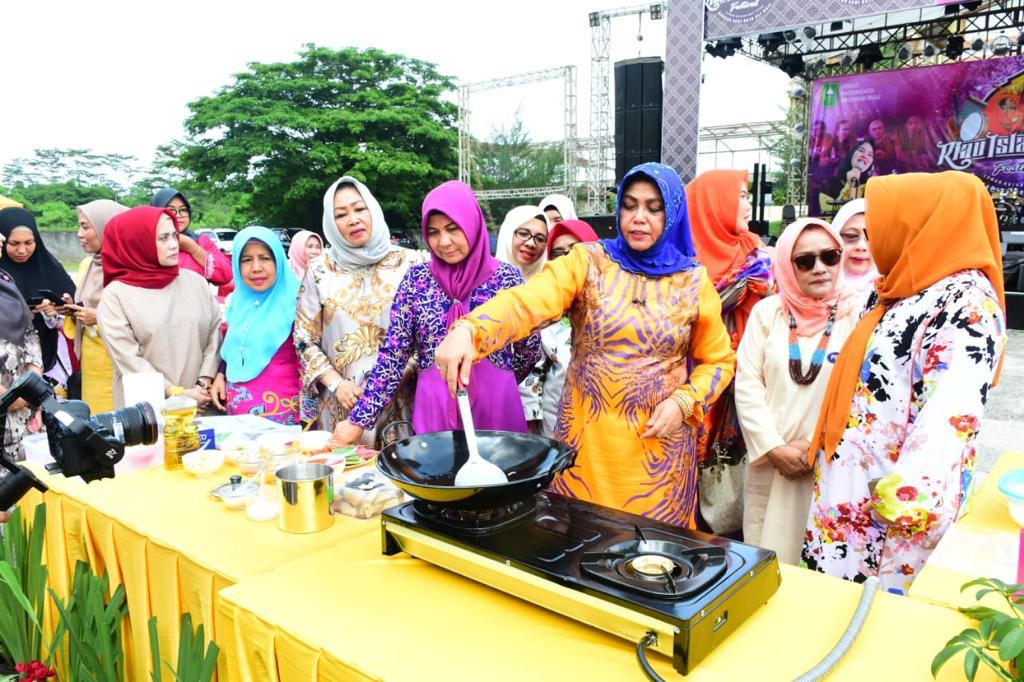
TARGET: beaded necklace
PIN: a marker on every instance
(795, 365)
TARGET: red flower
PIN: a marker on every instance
(907, 493)
(34, 671)
(905, 569)
(964, 423)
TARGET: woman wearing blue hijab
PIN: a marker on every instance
(260, 372)
(650, 351)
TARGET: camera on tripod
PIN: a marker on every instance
(80, 445)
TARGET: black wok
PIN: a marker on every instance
(424, 466)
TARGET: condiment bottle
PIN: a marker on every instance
(181, 434)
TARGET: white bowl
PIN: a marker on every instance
(203, 463)
(276, 443)
(311, 441)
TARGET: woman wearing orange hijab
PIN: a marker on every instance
(894, 448)
(740, 268)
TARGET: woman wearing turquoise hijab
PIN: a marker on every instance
(260, 372)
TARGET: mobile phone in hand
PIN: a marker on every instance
(35, 301)
(48, 295)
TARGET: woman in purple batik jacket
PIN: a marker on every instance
(460, 276)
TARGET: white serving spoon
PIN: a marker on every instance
(477, 470)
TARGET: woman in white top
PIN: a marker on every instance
(778, 398)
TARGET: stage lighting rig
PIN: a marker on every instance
(977, 45)
(868, 56)
(656, 11)
(810, 32)
(905, 53)
(724, 48)
(1001, 45)
(792, 65)
(771, 42)
(955, 47)
(595, 19)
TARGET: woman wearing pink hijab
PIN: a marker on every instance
(783, 365)
(858, 265)
(305, 247)
(461, 275)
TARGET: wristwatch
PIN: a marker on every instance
(203, 384)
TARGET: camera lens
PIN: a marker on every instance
(137, 424)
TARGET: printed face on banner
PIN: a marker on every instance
(967, 116)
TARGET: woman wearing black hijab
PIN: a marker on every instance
(34, 269)
(19, 353)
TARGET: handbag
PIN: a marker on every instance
(723, 472)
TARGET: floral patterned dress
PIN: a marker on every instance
(14, 362)
(418, 325)
(907, 455)
(341, 319)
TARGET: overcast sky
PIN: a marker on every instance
(117, 76)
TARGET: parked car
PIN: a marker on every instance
(222, 237)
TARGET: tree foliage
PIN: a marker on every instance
(508, 160)
(279, 134)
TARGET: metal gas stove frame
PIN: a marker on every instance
(587, 598)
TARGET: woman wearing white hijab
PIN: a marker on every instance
(523, 239)
(858, 265)
(523, 242)
(344, 303)
(557, 207)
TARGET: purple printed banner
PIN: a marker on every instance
(728, 18)
(966, 116)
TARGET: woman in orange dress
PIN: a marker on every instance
(650, 352)
(741, 270)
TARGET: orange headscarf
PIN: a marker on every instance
(922, 227)
(712, 200)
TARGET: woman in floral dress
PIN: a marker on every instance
(894, 449)
(345, 300)
(460, 276)
(20, 352)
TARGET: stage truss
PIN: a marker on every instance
(568, 141)
(600, 148)
(904, 39)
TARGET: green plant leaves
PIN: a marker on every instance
(1012, 643)
(22, 587)
(92, 625)
(196, 662)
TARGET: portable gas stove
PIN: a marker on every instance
(676, 591)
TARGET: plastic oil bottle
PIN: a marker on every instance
(181, 434)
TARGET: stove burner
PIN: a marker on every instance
(476, 521)
(652, 566)
(659, 568)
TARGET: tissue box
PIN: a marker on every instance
(207, 439)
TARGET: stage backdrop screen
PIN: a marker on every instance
(966, 116)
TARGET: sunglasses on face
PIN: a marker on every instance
(526, 235)
(805, 261)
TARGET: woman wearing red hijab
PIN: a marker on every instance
(153, 316)
(740, 268)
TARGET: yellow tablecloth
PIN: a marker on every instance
(173, 548)
(349, 613)
(982, 544)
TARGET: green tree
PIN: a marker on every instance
(508, 160)
(82, 167)
(280, 133)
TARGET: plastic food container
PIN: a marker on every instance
(365, 495)
(312, 442)
(1011, 484)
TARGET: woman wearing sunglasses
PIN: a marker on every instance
(782, 367)
(894, 447)
(858, 266)
(523, 242)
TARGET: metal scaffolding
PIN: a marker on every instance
(568, 142)
(761, 138)
(600, 166)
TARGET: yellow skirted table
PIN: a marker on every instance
(982, 544)
(349, 613)
(173, 548)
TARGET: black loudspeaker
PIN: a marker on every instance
(604, 225)
(638, 91)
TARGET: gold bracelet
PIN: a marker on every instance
(468, 326)
(685, 403)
